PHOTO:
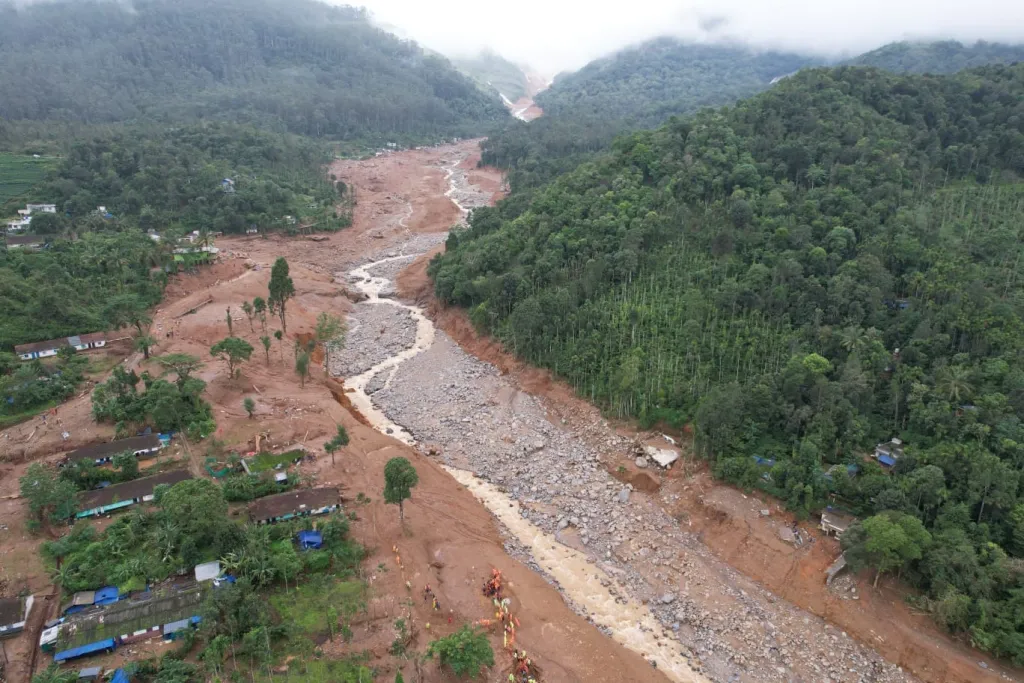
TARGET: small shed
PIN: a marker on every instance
(310, 540)
(170, 630)
(80, 601)
(13, 615)
(120, 677)
(208, 571)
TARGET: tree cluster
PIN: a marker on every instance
(162, 405)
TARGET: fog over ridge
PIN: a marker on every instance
(557, 35)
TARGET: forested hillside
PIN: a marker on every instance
(818, 269)
(940, 57)
(493, 72)
(167, 180)
(636, 88)
(642, 87)
(299, 66)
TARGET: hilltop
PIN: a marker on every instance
(303, 67)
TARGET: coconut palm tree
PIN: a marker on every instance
(954, 381)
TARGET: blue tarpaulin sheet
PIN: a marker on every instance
(310, 539)
(107, 645)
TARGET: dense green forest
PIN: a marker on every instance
(299, 66)
(635, 88)
(173, 177)
(642, 87)
(167, 180)
(66, 289)
(939, 57)
(493, 72)
(822, 267)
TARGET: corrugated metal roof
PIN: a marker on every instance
(207, 571)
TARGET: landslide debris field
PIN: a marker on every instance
(515, 472)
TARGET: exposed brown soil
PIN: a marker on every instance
(449, 540)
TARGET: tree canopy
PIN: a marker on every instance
(811, 272)
(399, 479)
(301, 66)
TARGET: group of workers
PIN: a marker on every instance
(523, 669)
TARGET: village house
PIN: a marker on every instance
(100, 454)
(25, 241)
(835, 523)
(888, 453)
(24, 219)
(45, 349)
(19, 224)
(283, 506)
(102, 501)
(40, 208)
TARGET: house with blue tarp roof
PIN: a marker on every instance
(888, 454)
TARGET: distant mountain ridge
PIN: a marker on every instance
(642, 86)
(300, 66)
(938, 57)
(665, 76)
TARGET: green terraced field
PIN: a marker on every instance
(19, 174)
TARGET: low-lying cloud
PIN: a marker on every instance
(556, 35)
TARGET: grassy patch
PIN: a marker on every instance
(268, 461)
(306, 607)
(11, 420)
(349, 670)
(19, 174)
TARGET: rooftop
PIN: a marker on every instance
(293, 501)
(837, 520)
(101, 450)
(130, 489)
(11, 611)
(51, 344)
(22, 240)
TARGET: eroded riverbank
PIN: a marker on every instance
(714, 620)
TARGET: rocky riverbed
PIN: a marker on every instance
(462, 409)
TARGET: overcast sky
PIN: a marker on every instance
(556, 35)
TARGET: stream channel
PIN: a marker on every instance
(628, 621)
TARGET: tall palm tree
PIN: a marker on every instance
(954, 381)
